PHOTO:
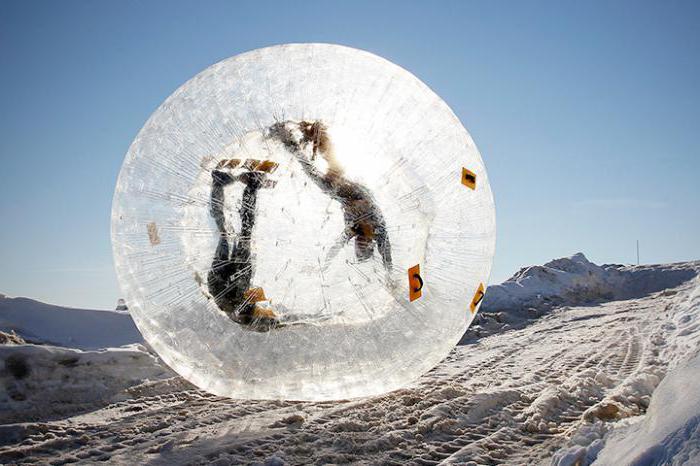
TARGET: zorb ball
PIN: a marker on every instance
(304, 221)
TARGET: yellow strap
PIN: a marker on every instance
(478, 297)
(415, 283)
(468, 178)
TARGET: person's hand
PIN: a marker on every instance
(282, 132)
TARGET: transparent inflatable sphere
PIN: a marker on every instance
(305, 222)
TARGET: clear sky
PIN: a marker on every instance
(587, 115)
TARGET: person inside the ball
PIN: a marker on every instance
(364, 221)
(230, 278)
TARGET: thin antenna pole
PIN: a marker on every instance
(637, 252)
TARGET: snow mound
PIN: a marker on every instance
(44, 382)
(668, 434)
(670, 431)
(653, 417)
(85, 329)
(573, 281)
(570, 281)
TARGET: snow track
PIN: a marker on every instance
(512, 398)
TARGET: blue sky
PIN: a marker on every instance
(586, 115)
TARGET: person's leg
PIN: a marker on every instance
(383, 245)
(219, 179)
(218, 279)
(230, 282)
(335, 249)
(253, 182)
(242, 256)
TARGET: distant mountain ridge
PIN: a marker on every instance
(85, 329)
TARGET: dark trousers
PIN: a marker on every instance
(232, 268)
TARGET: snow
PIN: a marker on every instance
(574, 280)
(45, 382)
(670, 431)
(610, 380)
(665, 427)
(64, 326)
(570, 281)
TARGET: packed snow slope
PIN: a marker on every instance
(48, 382)
(571, 281)
(571, 371)
(38, 322)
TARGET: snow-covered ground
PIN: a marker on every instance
(571, 281)
(570, 363)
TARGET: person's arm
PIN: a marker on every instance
(280, 131)
(313, 172)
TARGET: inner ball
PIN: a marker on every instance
(316, 235)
